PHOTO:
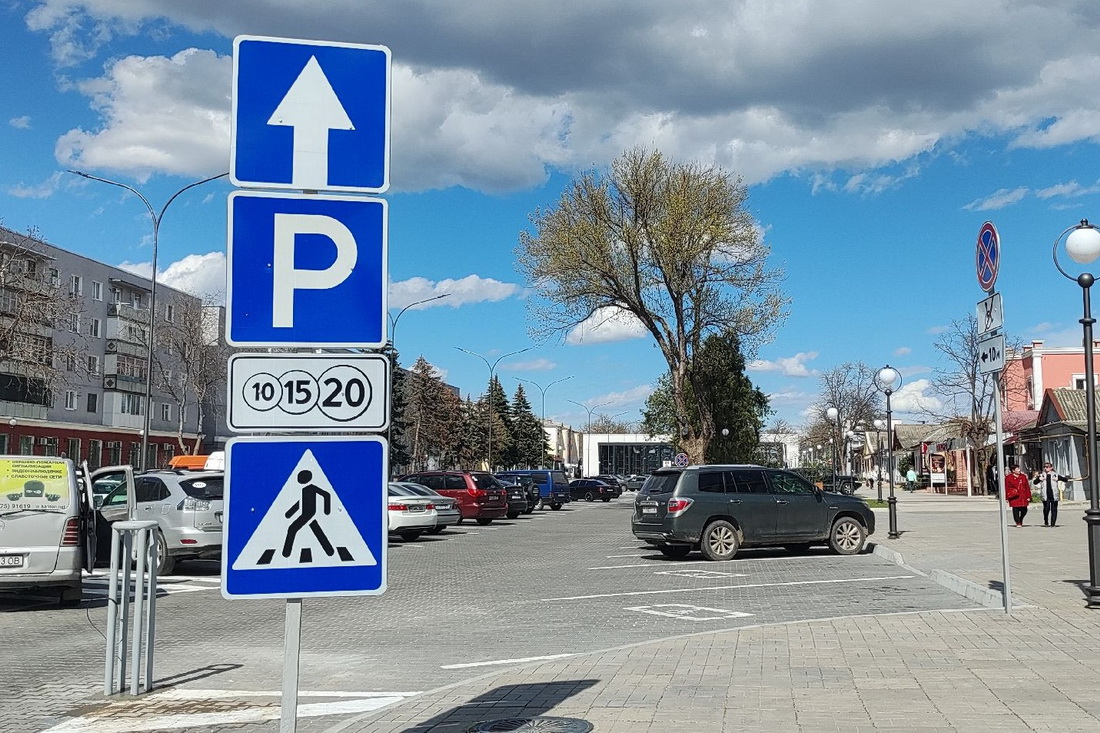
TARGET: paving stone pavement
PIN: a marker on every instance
(1033, 670)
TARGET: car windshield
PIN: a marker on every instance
(661, 483)
(486, 481)
(206, 487)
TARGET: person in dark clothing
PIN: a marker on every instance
(1051, 492)
(1018, 494)
(991, 478)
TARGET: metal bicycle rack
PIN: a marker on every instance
(136, 540)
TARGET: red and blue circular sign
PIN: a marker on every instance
(987, 256)
(681, 459)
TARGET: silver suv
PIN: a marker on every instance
(186, 504)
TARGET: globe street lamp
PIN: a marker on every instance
(157, 218)
(1083, 247)
(489, 391)
(885, 381)
(880, 425)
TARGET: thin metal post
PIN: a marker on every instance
(151, 628)
(109, 678)
(892, 502)
(141, 549)
(124, 559)
(1092, 515)
(1002, 503)
(292, 648)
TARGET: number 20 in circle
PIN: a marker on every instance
(345, 392)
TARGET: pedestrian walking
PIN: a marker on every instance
(910, 480)
(991, 478)
(1050, 492)
(1018, 494)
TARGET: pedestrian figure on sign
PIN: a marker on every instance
(1050, 492)
(1018, 494)
(910, 480)
(308, 507)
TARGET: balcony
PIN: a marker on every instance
(22, 410)
(123, 382)
(128, 312)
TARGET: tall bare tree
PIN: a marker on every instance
(670, 245)
(190, 361)
(41, 339)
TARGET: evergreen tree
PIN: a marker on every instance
(503, 442)
(425, 423)
(532, 447)
(399, 453)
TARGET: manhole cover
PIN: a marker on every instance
(543, 725)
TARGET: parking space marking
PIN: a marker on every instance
(700, 573)
(521, 660)
(650, 565)
(612, 557)
(727, 587)
(688, 612)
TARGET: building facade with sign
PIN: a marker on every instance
(1037, 368)
(73, 358)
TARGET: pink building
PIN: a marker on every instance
(1029, 374)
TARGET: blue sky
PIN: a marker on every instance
(875, 139)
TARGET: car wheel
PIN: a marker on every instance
(847, 536)
(676, 552)
(797, 548)
(484, 521)
(436, 530)
(588, 496)
(166, 564)
(607, 498)
(513, 515)
(719, 540)
(555, 507)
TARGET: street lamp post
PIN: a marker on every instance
(849, 439)
(489, 390)
(1083, 247)
(543, 390)
(833, 414)
(588, 429)
(157, 218)
(885, 381)
(879, 426)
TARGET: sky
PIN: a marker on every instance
(875, 138)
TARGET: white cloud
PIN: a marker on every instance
(535, 365)
(634, 396)
(42, 190)
(790, 366)
(999, 199)
(937, 330)
(606, 325)
(912, 397)
(200, 275)
(23, 122)
(1072, 189)
(463, 291)
(902, 351)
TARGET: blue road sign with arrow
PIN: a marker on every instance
(310, 115)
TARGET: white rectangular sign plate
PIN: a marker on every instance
(991, 314)
(308, 392)
(991, 354)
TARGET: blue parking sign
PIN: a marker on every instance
(305, 516)
(307, 271)
(310, 115)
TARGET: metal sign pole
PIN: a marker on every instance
(1002, 503)
(291, 657)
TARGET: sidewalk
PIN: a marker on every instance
(1035, 670)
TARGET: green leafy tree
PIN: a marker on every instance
(427, 425)
(531, 447)
(672, 247)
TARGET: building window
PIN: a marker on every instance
(169, 312)
(74, 322)
(97, 290)
(70, 362)
(131, 366)
(165, 411)
(93, 365)
(55, 276)
(30, 269)
(9, 301)
(95, 328)
(72, 448)
(135, 334)
(131, 404)
(135, 300)
(95, 453)
(114, 452)
(116, 295)
(26, 445)
(76, 285)
(93, 402)
(70, 399)
(135, 452)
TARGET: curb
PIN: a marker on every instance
(966, 588)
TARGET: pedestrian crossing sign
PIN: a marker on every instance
(304, 516)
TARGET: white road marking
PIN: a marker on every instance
(652, 564)
(687, 612)
(355, 703)
(726, 587)
(505, 661)
(612, 557)
(700, 573)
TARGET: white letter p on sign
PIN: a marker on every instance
(287, 278)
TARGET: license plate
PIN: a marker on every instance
(416, 508)
(11, 561)
(649, 510)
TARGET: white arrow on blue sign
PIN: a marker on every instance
(306, 271)
(310, 115)
(305, 516)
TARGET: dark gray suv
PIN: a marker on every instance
(718, 509)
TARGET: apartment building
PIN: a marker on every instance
(74, 360)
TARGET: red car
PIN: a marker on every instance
(479, 494)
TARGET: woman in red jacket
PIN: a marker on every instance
(1018, 494)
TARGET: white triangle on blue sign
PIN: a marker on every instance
(306, 526)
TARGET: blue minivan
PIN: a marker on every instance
(553, 485)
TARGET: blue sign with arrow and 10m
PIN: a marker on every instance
(310, 115)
